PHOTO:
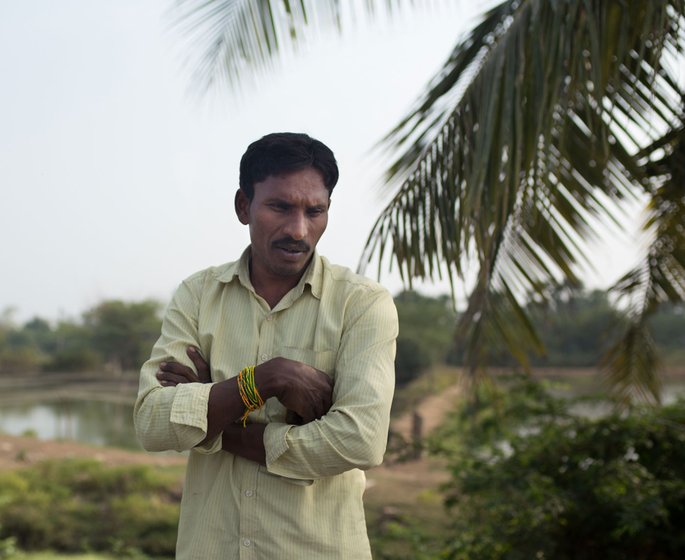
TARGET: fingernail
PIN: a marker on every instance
(192, 349)
(163, 364)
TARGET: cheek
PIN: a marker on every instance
(320, 226)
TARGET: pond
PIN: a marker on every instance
(111, 423)
(97, 423)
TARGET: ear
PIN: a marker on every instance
(242, 206)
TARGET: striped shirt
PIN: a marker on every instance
(306, 503)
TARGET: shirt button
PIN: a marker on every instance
(247, 542)
(263, 356)
(249, 493)
(269, 317)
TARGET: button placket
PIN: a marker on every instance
(266, 338)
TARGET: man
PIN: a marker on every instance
(277, 373)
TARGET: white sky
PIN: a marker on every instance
(116, 183)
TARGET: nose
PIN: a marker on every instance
(296, 226)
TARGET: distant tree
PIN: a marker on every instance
(531, 480)
(41, 334)
(73, 349)
(18, 351)
(576, 327)
(123, 333)
(426, 333)
(668, 329)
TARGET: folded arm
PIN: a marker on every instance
(177, 408)
(353, 434)
(301, 388)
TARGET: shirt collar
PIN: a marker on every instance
(312, 277)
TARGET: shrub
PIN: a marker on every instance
(548, 484)
(81, 505)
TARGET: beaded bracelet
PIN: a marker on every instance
(248, 392)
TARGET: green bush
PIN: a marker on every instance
(81, 505)
(531, 480)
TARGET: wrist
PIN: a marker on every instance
(266, 382)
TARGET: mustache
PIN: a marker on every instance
(291, 244)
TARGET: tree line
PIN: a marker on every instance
(114, 335)
(576, 327)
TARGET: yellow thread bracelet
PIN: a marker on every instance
(248, 392)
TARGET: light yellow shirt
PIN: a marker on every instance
(307, 502)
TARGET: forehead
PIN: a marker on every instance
(304, 185)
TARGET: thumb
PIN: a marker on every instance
(200, 364)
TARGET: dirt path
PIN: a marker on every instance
(432, 410)
(25, 451)
(405, 484)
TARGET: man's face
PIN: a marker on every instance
(287, 216)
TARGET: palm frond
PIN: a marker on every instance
(631, 367)
(526, 139)
(660, 277)
(228, 36)
(232, 42)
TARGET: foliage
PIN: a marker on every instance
(124, 332)
(668, 329)
(73, 349)
(8, 547)
(425, 337)
(80, 505)
(114, 332)
(531, 480)
(576, 327)
(546, 120)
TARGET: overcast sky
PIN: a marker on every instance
(115, 182)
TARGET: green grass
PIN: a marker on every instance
(55, 556)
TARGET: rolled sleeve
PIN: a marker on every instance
(275, 441)
(353, 434)
(173, 418)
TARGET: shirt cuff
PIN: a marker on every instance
(189, 412)
(214, 445)
(275, 443)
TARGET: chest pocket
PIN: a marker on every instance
(323, 360)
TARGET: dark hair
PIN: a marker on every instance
(284, 152)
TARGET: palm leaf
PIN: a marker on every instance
(660, 277)
(525, 141)
(545, 118)
(231, 42)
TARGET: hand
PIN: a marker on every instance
(247, 442)
(302, 389)
(171, 374)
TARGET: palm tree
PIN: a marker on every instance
(545, 120)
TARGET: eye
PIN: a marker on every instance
(279, 206)
(316, 211)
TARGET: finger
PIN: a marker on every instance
(172, 380)
(201, 365)
(183, 377)
(179, 369)
(174, 367)
(168, 384)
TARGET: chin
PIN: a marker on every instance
(289, 270)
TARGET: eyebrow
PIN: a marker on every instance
(285, 202)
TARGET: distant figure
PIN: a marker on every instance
(276, 371)
(417, 435)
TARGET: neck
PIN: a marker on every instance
(272, 288)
